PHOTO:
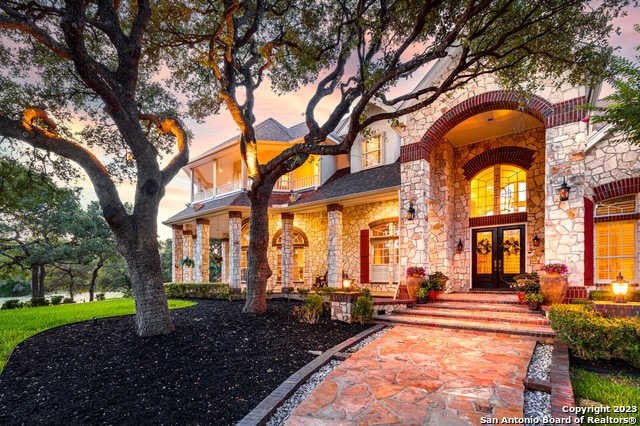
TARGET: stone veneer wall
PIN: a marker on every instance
(315, 225)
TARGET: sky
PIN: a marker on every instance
(288, 110)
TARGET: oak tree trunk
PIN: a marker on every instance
(258, 270)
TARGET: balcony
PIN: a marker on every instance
(220, 190)
(284, 183)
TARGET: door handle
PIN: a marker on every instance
(499, 265)
(495, 265)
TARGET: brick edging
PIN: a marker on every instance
(561, 390)
(263, 412)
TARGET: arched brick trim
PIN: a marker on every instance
(382, 221)
(274, 240)
(616, 188)
(518, 156)
(551, 115)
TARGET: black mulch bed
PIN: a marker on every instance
(215, 369)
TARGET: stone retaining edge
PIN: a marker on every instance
(263, 412)
(560, 381)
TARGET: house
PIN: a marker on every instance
(481, 185)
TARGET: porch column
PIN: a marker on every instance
(224, 267)
(414, 234)
(176, 249)
(287, 249)
(564, 220)
(201, 251)
(187, 251)
(235, 229)
(334, 250)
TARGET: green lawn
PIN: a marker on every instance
(17, 325)
(620, 394)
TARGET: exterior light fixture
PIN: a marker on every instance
(459, 247)
(620, 288)
(411, 212)
(564, 190)
(346, 283)
(536, 240)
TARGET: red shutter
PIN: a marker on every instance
(364, 256)
(589, 267)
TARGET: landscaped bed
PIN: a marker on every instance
(216, 368)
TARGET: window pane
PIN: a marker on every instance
(513, 195)
(371, 151)
(482, 193)
(618, 205)
(615, 250)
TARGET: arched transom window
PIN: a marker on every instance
(499, 189)
(300, 243)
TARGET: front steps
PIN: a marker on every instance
(480, 312)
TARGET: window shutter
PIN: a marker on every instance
(364, 256)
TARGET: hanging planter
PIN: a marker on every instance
(187, 262)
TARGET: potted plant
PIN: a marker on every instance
(423, 295)
(525, 283)
(554, 284)
(415, 277)
(534, 300)
(435, 283)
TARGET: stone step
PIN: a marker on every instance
(509, 328)
(481, 312)
(515, 316)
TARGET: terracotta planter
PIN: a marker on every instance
(433, 295)
(553, 287)
(520, 298)
(413, 284)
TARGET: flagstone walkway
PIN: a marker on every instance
(423, 376)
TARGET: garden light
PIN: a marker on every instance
(620, 288)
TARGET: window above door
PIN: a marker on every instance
(499, 189)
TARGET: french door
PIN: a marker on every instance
(497, 256)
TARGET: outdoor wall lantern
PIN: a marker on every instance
(536, 240)
(620, 288)
(564, 190)
(346, 283)
(459, 247)
(411, 212)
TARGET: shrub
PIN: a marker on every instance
(592, 336)
(325, 291)
(607, 295)
(287, 291)
(39, 301)
(12, 304)
(198, 290)
(56, 300)
(362, 308)
(100, 296)
(312, 309)
(303, 291)
(68, 300)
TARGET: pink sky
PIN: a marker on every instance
(288, 110)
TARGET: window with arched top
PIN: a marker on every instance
(300, 243)
(499, 189)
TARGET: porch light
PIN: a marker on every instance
(411, 212)
(564, 190)
(460, 246)
(536, 240)
(346, 283)
(620, 288)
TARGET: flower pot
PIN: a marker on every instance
(520, 298)
(534, 305)
(433, 295)
(422, 300)
(413, 284)
(553, 288)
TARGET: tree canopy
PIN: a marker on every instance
(622, 109)
(354, 53)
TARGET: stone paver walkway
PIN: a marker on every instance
(423, 376)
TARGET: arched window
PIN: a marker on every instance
(300, 243)
(499, 189)
(616, 239)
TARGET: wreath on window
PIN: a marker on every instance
(511, 246)
(483, 247)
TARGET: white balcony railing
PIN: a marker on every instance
(203, 195)
(229, 187)
(306, 182)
